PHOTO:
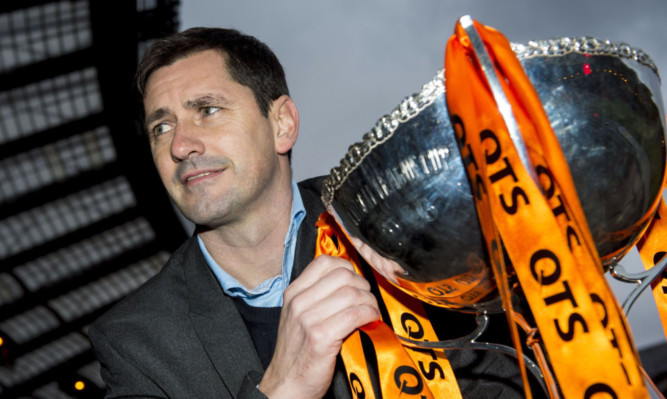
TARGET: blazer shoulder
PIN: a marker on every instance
(162, 294)
(311, 193)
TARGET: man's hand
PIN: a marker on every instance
(320, 309)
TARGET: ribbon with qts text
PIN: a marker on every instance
(377, 364)
(542, 228)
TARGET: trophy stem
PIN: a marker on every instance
(643, 280)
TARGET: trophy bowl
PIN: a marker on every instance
(404, 192)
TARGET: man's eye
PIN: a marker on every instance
(206, 111)
(161, 128)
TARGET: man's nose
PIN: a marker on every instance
(186, 142)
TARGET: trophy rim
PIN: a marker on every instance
(412, 105)
(582, 45)
(383, 130)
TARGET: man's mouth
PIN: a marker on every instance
(191, 178)
(197, 176)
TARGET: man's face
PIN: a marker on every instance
(214, 150)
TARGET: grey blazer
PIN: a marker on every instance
(180, 336)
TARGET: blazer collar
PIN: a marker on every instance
(307, 236)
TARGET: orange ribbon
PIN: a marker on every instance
(542, 228)
(376, 362)
(652, 249)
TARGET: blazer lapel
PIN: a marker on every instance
(218, 325)
(307, 235)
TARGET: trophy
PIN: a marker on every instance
(403, 189)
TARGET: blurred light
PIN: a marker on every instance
(7, 352)
(79, 385)
(587, 69)
(48, 103)
(71, 20)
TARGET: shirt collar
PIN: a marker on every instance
(270, 292)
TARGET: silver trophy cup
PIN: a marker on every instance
(403, 189)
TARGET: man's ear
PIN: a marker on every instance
(286, 123)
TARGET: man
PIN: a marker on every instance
(220, 320)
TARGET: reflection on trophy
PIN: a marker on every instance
(403, 190)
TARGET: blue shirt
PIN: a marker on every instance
(270, 292)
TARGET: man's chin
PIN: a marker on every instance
(212, 210)
(207, 219)
(203, 221)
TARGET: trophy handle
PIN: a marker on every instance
(643, 279)
(470, 342)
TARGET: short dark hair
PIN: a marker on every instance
(250, 62)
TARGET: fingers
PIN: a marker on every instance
(335, 328)
(320, 309)
(332, 309)
(331, 296)
(336, 270)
